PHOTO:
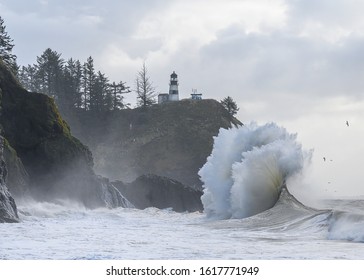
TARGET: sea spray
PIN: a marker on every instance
(247, 168)
(346, 226)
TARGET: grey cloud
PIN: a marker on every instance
(85, 27)
(343, 13)
(286, 63)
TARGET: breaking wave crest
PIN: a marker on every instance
(247, 169)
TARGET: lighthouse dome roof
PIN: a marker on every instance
(174, 75)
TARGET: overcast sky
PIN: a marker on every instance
(299, 63)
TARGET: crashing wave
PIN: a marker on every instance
(247, 169)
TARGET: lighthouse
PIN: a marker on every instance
(173, 94)
(173, 88)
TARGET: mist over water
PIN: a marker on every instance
(244, 178)
(247, 169)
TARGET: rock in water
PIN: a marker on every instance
(111, 195)
(8, 211)
(161, 192)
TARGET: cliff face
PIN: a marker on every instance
(8, 211)
(171, 140)
(41, 148)
(18, 178)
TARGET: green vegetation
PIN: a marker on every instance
(6, 48)
(73, 85)
(230, 105)
(35, 129)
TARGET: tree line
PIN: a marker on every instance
(73, 85)
(6, 48)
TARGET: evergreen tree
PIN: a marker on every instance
(6, 48)
(29, 78)
(72, 76)
(50, 74)
(115, 96)
(73, 85)
(230, 105)
(23, 77)
(100, 92)
(77, 77)
(144, 88)
(89, 79)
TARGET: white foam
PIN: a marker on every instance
(247, 168)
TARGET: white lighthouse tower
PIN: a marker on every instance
(173, 88)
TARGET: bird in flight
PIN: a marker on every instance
(347, 123)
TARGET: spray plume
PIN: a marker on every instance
(247, 169)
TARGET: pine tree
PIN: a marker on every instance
(6, 48)
(116, 97)
(100, 92)
(77, 77)
(144, 88)
(28, 77)
(50, 73)
(72, 84)
(89, 79)
(230, 105)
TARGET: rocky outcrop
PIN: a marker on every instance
(41, 145)
(18, 178)
(111, 195)
(171, 140)
(160, 192)
(8, 210)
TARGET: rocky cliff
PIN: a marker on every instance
(8, 210)
(171, 140)
(50, 162)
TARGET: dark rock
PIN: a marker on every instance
(160, 192)
(8, 210)
(18, 178)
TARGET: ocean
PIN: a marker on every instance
(249, 213)
(289, 230)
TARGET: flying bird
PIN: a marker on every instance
(324, 158)
(347, 123)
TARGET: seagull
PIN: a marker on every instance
(324, 158)
(347, 123)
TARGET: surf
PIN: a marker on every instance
(246, 178)
(247, 169)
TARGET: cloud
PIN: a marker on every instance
(285, 63)
(344, 13)
(75, 28)
(255, 51)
